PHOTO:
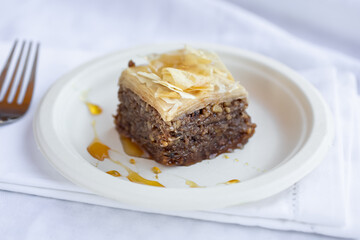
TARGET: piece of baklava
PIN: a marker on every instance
(183, 107)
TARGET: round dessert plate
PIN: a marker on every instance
(294, 131)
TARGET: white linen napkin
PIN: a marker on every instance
(315, 204)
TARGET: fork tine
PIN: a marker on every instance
(7, 64)
(30, 87)
(17, 94)
(14, 74)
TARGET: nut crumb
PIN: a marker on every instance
(131, 63)
(249, 130)
(151, 138)
(164, 144)
(217, 109)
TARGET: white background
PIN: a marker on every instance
(104, 26)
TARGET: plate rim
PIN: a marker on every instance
(322, 119)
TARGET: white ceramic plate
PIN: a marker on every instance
(293, 134)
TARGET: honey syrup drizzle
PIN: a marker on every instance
(131, 148)
(232, 181)
(157, 171)
(114, 173)
(192, 184)
(97, 149)
(135, 177)
(100, 151)
(93, 108)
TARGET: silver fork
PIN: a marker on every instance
(10, 111)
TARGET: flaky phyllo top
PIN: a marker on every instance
(182, 81)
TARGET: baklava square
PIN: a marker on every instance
(183, 107)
